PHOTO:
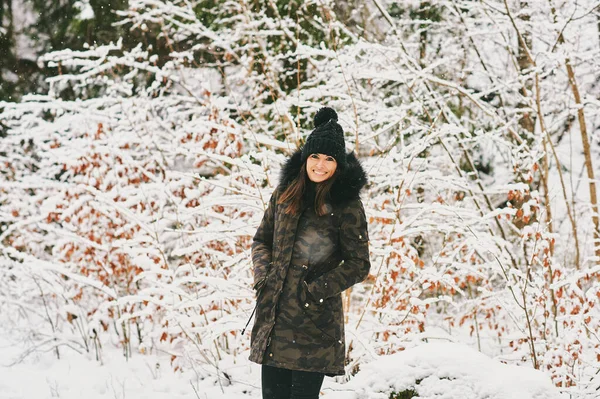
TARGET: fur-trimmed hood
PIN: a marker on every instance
(348, 183)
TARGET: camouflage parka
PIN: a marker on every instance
(303, 263)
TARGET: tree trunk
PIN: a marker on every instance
(525, 63)
(587, 152)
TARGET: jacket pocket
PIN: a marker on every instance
(320, 314)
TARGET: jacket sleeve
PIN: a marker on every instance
(262, 245)
(355, 264)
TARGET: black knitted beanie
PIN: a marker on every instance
(327, 137)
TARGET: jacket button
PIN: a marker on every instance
(321, 300)
(306, 305)
(270, 355)
(304, 267)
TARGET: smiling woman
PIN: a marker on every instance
(311, 246)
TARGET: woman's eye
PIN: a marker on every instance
(330, 159)
(315, 156)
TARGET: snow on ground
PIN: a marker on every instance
(444, 371)
(75, 376)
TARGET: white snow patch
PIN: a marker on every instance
(85, 10)
(444, 371)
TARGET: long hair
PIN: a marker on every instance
(294, 193)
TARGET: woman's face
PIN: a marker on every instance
(320, 167)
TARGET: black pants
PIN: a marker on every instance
(290, 384)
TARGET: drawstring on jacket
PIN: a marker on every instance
(261, 285)
(248, 322)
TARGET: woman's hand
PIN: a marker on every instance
(260, 284)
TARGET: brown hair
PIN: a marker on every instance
(295, 190)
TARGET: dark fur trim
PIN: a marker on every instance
(347, 184)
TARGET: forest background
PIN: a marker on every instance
(140, 142)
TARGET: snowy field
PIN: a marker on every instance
(435, 370)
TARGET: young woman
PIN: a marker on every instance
(312, 244)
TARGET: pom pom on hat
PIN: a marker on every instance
(327, 137)
(324, 115)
